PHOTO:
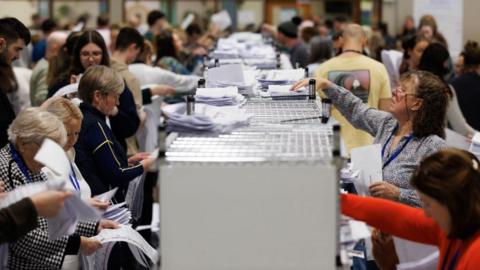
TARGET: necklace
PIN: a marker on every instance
(354, 51)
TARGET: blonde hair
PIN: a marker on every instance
(33, 125)
(63, 108)
(353, 32)
(101, 78)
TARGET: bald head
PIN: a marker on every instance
(353, 33)
(54, 41)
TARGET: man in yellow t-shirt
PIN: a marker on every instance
(365, 77)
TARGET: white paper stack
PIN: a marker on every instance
(232, 75)
(285, 92)
(280, 77)
(225, 96)
(206, 118)
(119, 213)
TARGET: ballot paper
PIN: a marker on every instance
(427, 263)
(409, 252)
(139, 247)
(187, 21)
(118, 213)
(475, 145)
(220, 96)
(225, 75)
(368, 160)
(134, 197)
(107, 196)
(53, 156)
(281, 77)
(222, 20)
(68, 90)
(74, 210)
(352, 230)
(285, 92)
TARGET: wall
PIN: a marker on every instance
(253, 6)
(22, 10)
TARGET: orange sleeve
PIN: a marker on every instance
(391, 217)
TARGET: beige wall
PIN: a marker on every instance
(470, 20)
(395, 11)
(21, 10)
(255, 6)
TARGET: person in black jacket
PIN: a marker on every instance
(14, 36)
(100, 157)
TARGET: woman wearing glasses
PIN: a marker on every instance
(413, 129)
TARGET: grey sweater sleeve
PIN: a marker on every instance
(359, 114)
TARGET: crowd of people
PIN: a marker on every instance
(118, 69)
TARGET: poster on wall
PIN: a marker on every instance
(449, 18)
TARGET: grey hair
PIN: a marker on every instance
(101, 78)
(33, 125)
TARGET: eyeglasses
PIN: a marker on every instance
(400, 93)
(94, 54)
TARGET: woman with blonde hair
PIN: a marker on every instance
(17, 168)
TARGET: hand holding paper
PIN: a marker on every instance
(385, 190)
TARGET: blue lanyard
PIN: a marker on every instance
(73, 179)
(398, 151)
(454, 260)
(20, 163)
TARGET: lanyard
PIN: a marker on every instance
(20, 163)
(73, 179)
(398, 151)
(454, 260)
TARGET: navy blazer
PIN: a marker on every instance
(100, 157)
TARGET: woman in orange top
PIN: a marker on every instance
(448, 183)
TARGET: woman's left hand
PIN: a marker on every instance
(107, 224)
(100, 205)
(138, 157)
(385, 190)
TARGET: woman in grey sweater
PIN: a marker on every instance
(411, 131)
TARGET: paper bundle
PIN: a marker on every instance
(226, 96)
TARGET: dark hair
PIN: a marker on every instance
(12, 29)
(153, 16)
(103, 20)
(329, 23)
(128, 36)
(59, 64)
(471, 54)
(307, 33)
(90, 36)
(48, 25)
(321, 49)
(165, 46)
(430, 118)
(297, 20)
(340, 18)
(451, 177)
(433, 59)
(194, 28)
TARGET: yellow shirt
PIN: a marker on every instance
(367, 79)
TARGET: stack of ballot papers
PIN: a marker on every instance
(285, 92)
(145, 254)
(118, 213)
(225, 96)
(232, 75)
(280, 77)
(206, 118)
